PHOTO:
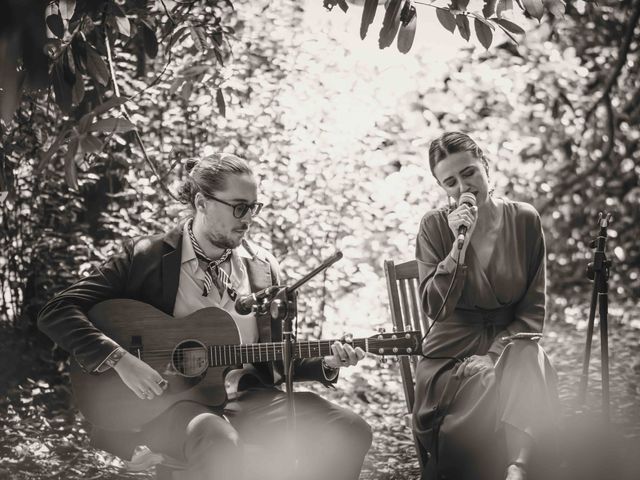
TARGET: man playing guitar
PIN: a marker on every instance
(206, 262)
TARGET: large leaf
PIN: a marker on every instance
(407, 28)
(90, 144)
(484, 33)
(510, 26)
(110, 125)
(197, 40)
(391, 23)
(481, 19)
(220, 102)
(150, 41)
(368, 15)
(77, 93)
(61, 87)
(70, 167)
(97, 67)
(446, 19)
(463, 26)
(534, 7)
(123, 25)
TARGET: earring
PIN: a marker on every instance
(452, 203)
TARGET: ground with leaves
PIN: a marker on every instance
(44, 437)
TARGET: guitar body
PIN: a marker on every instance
(193, 354)
(141, 329)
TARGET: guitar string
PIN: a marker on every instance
(251, 350)
(272, 345)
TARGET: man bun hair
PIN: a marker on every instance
(189, 163)
(209, 175)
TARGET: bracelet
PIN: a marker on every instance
(327, 367)
(115, 357)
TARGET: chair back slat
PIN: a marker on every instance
(415, 305)
(406, 304)
(406, 309)
(422, 322)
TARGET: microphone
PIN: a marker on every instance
(467, 198)
(245, 304)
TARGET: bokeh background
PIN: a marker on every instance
(338, 131)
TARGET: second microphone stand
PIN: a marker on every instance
(598, 272)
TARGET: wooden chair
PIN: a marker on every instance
(406, 314)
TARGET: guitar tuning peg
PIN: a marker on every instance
(381, 330)
(395, 329)
(407, 328)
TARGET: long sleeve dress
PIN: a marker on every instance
(459, 421)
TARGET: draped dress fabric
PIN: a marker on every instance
(484, 305)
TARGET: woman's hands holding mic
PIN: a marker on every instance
(463, 216)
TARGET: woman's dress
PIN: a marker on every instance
(461, 428)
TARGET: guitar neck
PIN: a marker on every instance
(220, 355)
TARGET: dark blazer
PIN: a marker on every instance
(148, 269)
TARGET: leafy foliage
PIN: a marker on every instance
(346, 171)
(400, 18)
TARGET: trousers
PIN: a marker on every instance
(252, 438)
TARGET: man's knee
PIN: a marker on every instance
(351, 430)
(211, 431)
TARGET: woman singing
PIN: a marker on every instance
(483, 400)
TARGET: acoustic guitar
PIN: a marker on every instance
(194, 354)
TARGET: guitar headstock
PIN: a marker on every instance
(395, 343)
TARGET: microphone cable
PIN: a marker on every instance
(439, 312)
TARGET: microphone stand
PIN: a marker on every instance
(598, 271)
(284, 308)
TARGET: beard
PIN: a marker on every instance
(225, 241)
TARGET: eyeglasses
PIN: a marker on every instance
(241, 209)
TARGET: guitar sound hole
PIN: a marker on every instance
(190, 358)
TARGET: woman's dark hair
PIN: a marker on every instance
(209, 175)
(454, 142)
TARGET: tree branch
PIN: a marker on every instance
(572, 182)
(622, 59)
(125, 114)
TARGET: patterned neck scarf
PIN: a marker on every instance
(213, 274)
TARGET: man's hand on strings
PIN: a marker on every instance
(141, 378)
(344, 355)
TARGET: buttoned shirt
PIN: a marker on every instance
(189, 297)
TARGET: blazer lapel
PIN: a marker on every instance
(259, 273)
(171, 268)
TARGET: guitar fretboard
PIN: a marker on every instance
(220, 355)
